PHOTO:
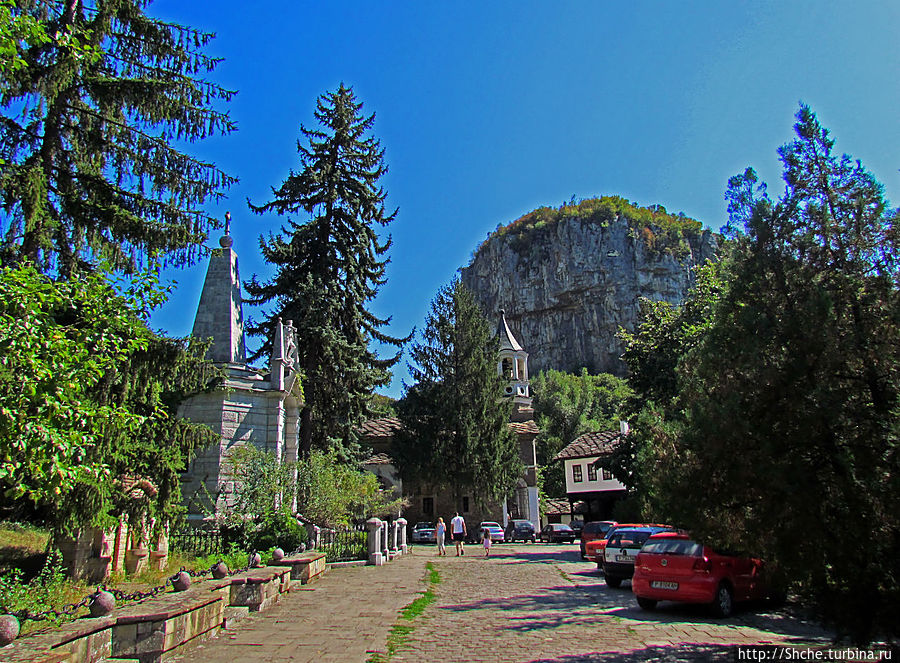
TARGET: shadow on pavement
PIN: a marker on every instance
(554, 607)
(538, 553)
(663, 654)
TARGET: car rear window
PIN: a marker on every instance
(628, 539)
(596, 528)
(674, 547)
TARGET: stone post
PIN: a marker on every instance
(403, 547)
(374, 540)
(385, 542)
(395, 538)
(316, 537)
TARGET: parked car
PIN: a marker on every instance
(672, 567)
(595, 529)
(577, 526)
(593, 550)
(557, 533)
(520, 530)
(423, 533)
(495, 530)
(621, 550)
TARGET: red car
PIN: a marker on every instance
(596, 529)
(672, 567)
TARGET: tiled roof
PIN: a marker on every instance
(524, 427)
(384, 427)
(378, 459)
(388, 426)
(559, 506)
(597, 443)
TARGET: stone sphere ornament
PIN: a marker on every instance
(9, 629)
(181, 581)
(220, 570)
(255, 560)
(277, 555)
(102, 603)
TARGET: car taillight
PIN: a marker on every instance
(702, 564)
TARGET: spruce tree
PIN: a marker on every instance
(329, 265)
(455, 418)
(89, 107)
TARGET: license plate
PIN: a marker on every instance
(624, 558)
(658, 584)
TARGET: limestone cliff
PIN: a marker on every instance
(569, 282)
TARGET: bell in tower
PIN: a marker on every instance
(513, 366)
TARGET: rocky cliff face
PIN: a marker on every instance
(569, 286)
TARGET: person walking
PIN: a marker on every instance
(458, 529)
(439, 533)
(486, 533)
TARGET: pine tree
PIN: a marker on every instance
(88, 172)
(328, 268)
(789, 398)
(455, 431)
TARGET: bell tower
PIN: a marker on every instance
(513, 367)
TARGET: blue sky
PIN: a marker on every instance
(487, 110)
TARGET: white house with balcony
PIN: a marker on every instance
(596, 487)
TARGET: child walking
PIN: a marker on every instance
(439, 533)
(487, 542)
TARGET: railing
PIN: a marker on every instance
(345, 544)
(197, 542)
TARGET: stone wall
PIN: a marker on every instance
(568, 287)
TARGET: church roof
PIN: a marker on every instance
(507, 340)
(588, 445)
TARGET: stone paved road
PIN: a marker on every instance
(340, 618)
(543, 603)
(526, 603)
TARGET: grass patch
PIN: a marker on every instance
(400, 631)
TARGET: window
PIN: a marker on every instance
(428, 505)
(607, 475)
(592, 472)
(465, 504)
(576, 474)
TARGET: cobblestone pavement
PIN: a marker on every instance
(543, 603)
(342, 617)
(527, 602)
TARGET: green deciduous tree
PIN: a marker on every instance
(328, 269)
(94, 92)
(567, 405)
(455, 431)
(789, 439)
(88, 396)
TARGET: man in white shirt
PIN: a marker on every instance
(458, 530)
